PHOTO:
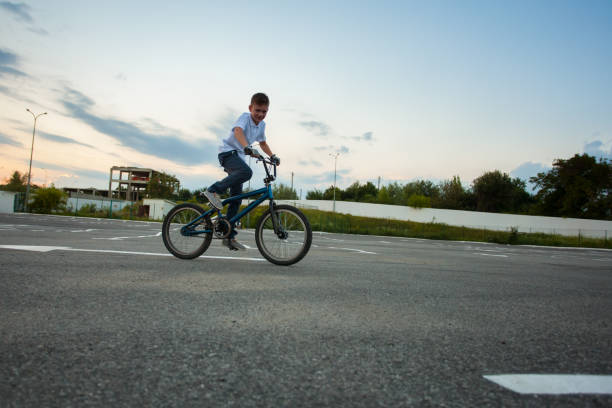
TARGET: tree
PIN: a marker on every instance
(184, 194)
(283, 192)
(314, 195)
(329, 194)
(419, 201)
(17, 182)
(383, 196)
(358, 192)
(495, 191)
(47, 200)
(453, 195)
(576, 187)
(163, 186)
(424, 188)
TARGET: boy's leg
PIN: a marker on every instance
(237, 172)
(234, 206)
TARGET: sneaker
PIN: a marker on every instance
(233, 245)
(214, 199)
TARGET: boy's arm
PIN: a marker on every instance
(239, 135)
(264, 146)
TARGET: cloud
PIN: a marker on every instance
(38, 30)
(320, 128)
(222, 126)
(121, 77)
(341, 149)
(310, 162)
(80, 172)
(163, 142)
(5, 140)
(324, 178)
(7, 61)
(598, 149)
(61, 139)
(366, 137)
(20, 11)
(321, 148)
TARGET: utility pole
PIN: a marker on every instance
(378, 188)
(27, 199)
(335, 156)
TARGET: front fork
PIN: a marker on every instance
(278, 229)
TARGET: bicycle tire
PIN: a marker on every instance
(284, 250)
(183, 246)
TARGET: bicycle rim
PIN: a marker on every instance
(288, 249)
(185, 246)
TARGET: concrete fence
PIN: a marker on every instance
(470, 219)
(100, 203)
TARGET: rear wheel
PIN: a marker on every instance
(177, 241)
(291, 242)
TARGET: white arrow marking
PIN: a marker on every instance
(554, 383)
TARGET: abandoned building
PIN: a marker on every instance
(130, 183)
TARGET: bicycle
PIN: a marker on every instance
(283, 234)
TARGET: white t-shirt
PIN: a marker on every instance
(252, 132)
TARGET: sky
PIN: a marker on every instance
(402, 90)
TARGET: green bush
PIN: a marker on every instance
(48, 200)
(419, 201)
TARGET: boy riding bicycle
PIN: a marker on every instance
(248, 129)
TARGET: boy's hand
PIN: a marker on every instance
(249, 151)
(274, 158)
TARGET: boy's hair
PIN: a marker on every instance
(260, 99)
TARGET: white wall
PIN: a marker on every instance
(7, 201)
(158, 208)
(472, 219)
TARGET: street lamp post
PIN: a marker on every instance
(335, 156)
(27, 198)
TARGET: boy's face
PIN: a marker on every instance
(258, 112)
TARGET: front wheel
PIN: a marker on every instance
(179, 238)
(290, 242)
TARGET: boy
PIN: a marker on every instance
(247, 129)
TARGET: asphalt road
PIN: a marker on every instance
(111, 319)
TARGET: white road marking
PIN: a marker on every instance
(500, 256)
(122, 238)
(354, 250)
(35, 248)
(384, 242)
(108, 251)
(554, 383)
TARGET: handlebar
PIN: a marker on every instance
(266, 161)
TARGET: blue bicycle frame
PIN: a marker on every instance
(266, 194)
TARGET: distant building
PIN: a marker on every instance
(130, 183)
(91, 191)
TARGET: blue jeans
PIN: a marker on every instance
(238, 172)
